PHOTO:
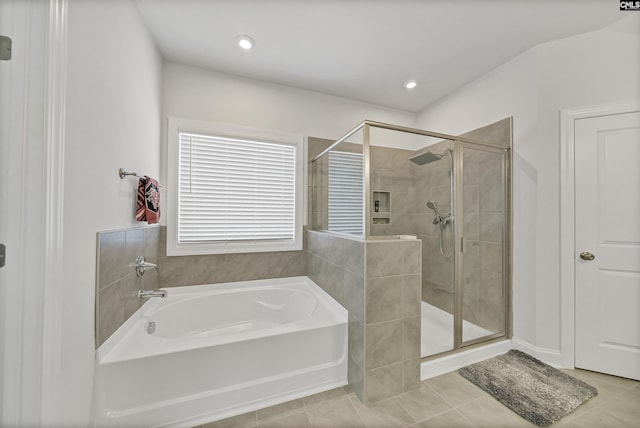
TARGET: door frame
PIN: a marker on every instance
(568, 118)
(32, 310)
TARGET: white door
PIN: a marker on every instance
(607, 228)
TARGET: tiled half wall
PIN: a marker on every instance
(378, 281)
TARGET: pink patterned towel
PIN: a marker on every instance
(148, 202)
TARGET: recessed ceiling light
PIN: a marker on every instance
(245, 42)
(411, 84)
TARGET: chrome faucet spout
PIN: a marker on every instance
(146, 294)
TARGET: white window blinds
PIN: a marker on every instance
(233, 190)
(346, 192)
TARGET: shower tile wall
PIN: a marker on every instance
(410, 187)
(483, 212)
(483, 228)
(117, 284)
(390, 172)
(437, 270)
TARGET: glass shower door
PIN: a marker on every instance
(482, 293)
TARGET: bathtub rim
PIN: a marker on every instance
(336, 310)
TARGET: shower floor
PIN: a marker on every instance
(437, 331)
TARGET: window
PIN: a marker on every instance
(346, 192)
(233, 189)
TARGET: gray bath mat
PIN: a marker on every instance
(534, 390)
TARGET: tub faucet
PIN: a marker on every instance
(146, 294)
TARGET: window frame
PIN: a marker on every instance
(177, 126)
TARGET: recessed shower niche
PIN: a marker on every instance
(381, 210)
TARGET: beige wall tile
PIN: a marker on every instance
(384, 382)
(384, 258)
(152, 247)
(410, 375)
(335, 250)
(411, 256)
(384, 299)
(112, 258)
(356, 341)
(135, 245)
(208, 269)
(411, 338)
(383, 344)
(491, 256)
(129, 287)
(175, 271)
(354, 297)
(411, 294)
(294, 263)
(355, 375)
(353, 260)
(110, 312)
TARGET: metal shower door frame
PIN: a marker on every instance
(459, 256)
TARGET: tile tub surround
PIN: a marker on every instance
(378, 281)
(218, 268)
(117, 284)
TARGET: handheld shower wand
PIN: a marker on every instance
(442, 221)
(432, 205)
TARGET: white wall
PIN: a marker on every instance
(112, 120)
(593, 68)
(198, 94)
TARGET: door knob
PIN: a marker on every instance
(587, 256)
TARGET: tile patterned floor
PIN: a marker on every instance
(444, 401)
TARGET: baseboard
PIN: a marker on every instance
(548, 356)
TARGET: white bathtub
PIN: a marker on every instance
(221, 350)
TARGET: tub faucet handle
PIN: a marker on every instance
(142, 265)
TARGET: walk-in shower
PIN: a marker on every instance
(453, 194)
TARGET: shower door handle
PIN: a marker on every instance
(587, 256)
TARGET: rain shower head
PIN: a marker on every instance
(425, 158)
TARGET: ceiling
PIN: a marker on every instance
(366, 49)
